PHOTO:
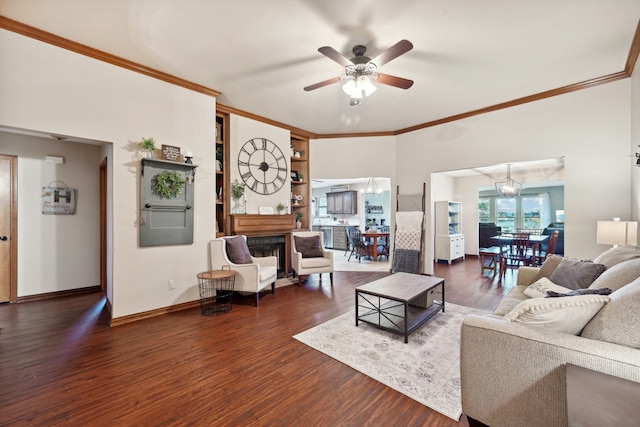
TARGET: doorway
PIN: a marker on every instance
(8, 228)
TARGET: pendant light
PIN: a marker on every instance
(508, 187)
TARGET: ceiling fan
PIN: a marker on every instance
(360, 70)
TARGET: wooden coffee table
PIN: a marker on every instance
(400, 303)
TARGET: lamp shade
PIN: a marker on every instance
(617, 233)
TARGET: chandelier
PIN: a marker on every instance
(372, 188)
(508, 187)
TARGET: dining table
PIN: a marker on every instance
(535, 240)
(374, 236)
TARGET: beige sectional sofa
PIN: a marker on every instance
(513, 371)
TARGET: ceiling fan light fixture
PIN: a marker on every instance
(360, 87)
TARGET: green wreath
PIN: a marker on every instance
(168, 184)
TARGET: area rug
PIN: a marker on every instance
(427, 369)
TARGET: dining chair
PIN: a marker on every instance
(535, 231)
(347, 230)
(383, 242)
(360, 247)
(516, 253)
(551, 248)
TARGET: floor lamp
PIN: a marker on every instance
(617, 233)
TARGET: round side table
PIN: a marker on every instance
(216, 291)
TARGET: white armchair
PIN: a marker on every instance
(251, 277)
(313, 257)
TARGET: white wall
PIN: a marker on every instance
(56, 252)
(353, 158)
(48, 89)
(590, 128)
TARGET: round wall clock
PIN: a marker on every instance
(262, 166)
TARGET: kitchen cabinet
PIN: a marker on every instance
(335, 237)
(340, 238)
(342, 202)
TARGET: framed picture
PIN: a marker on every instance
(170, 152)
(295, 176)
(58, 201)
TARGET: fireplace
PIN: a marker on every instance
(267, 235)
(261, 246)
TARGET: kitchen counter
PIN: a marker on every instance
(336, 238)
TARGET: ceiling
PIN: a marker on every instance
(467, 54)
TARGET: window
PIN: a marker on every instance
(528, 211)
(322, 206)
(531, 207)
(484, 210)
(506, 213)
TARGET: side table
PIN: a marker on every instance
(216, 291)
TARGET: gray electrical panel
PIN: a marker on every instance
(166, 203)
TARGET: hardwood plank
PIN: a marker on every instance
(63, 364)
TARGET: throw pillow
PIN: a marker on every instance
(539, 288)
(309, 247)
(619, 275)
(237, 250)
(617, 255)
(548, 267)
(576, 292)
(618, 321)
(575, 274)
(568, 315)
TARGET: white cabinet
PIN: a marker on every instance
(449, 241)
(450, 247)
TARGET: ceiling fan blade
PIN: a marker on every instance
(400, 48)
(390, 80)
(323, 84)
(334, 55)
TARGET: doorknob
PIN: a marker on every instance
(3, 238)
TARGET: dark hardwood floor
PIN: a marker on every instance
(62, 365)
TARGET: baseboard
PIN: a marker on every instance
(153, 313)
(58, 294)
(178, 307)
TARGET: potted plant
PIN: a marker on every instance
(148, 144)
(237, 191)
(280, 208)
(300, 177)
(298, 219)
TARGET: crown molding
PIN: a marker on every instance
(524, 100)
(52, 39)
(46, 37)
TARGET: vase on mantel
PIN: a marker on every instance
(238, 206)
(149, 154)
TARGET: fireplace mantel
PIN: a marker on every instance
(262, 225)
(253, 225)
